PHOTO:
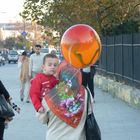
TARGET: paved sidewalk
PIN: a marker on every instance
(24, 126)
(117, 120)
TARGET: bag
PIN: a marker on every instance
(5, 108)
(91, 127)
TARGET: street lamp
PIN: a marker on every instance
(24, 33)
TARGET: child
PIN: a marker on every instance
(44, 82)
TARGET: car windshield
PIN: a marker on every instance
(45, 50)
(13, 53)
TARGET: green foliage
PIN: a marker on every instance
(105, 16)
(9, 42)
(125, 28)
(16, 42)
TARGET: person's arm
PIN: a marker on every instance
(30, 66)
(4, 91)
(35, 92)
(54, 81)
(43, 117)
(20, 61)
(19, 64)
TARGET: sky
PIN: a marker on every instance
(9, 10)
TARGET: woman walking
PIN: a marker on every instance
(65, 106)
(24, 77)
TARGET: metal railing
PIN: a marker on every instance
(120, 58)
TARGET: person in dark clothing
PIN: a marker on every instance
(2, 120)
(2, 126)
(88, 78)
(32, 52)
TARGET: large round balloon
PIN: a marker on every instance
(81, 46)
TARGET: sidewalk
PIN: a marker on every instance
(24, 126)
(117, 120)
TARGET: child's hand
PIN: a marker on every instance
(41, 110)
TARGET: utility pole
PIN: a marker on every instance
(24, 34)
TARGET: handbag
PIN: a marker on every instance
(5, 108)
(91, 127)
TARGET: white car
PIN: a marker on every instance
(13, 56)
(45, 50)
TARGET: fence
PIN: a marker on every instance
(120, 58)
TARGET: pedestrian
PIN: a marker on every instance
(88, 74)
(19, 64)
(53, 52)
(32, 51)
(65, 106)
(24, 77)
(5, 120)
(44, 82)
(36, 61)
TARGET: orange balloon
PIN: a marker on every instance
(81, 46)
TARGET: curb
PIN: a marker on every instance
(124, 92)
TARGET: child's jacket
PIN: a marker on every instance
(40, 85)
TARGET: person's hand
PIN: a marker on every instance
(41, 110)
(18, 110)
(56, 75)
(20, 58)
(8, 119)
(30, 77)
(9, 100)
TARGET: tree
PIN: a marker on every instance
(9, 42)
(103, 15)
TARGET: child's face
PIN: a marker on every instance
(50, 66)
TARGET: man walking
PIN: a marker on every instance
(36, 61)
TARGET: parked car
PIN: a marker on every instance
(2, 60)
(13, 56)
(45, 50)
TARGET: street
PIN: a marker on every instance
(24, 126)
(116, 119)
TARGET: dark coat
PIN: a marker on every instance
(4, 91)
(92, 71)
